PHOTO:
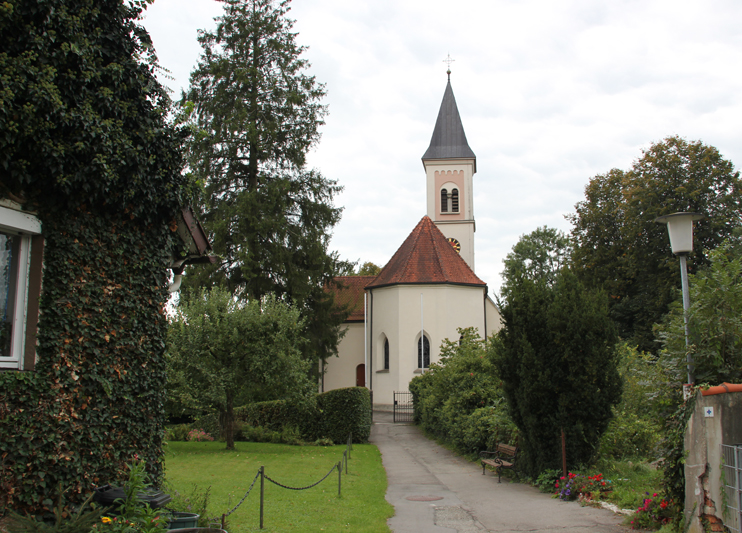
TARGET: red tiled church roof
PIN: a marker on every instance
(426, 256)
(351, 294)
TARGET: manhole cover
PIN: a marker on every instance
(424, 498)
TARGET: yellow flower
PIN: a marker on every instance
(105, 520)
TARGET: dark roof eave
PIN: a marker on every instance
(482, 285)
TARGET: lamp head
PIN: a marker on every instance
(680, 228)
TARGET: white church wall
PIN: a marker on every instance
(396, 314)
(341, 371)
(494, 319)
(385, 323)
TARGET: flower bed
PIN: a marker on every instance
(576, 486)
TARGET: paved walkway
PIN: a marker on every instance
(432, 490)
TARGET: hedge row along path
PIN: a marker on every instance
(433, 490)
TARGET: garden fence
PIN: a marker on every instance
(263, 476)
(732, 481)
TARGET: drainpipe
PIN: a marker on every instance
(370, 340)
(367, 377)
(485, 312)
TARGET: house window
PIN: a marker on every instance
(14, 255)
(386, 354)
(423, 353)
(444, 201)
(17, 276)
(455, 201)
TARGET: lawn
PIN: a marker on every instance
(361, 507)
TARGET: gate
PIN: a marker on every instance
(732, 481)
(402, 406)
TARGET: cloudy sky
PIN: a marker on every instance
(550, 93)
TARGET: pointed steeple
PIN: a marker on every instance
(449, 139)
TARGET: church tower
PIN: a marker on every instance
(449, 167)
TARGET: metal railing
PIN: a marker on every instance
(731, 476)
(403, 411)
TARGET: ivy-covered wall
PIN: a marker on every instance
(85, 144)
(97, 393)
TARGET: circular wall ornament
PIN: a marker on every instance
(456, 244)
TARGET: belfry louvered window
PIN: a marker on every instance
(444, 201)
(455, 201)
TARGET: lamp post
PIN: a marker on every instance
(680, 228)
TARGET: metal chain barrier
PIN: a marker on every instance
(243, 498)
(262, 475)
(301, 488)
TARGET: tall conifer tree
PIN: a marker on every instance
(256, 114)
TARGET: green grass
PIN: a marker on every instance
(631, 481)
(361, 507)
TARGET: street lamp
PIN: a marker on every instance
(680, 228)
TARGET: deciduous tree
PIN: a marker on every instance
(619, 247)
(537, 256)
(226, 353)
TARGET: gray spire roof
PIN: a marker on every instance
(449, 139)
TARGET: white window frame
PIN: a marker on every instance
(23, 225)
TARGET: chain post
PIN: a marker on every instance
(262, 492)
(345, 456)
(340, 475)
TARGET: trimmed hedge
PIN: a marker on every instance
(346, 411)
(278, 414)
(332, 415)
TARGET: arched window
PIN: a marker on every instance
(423, 353)
(386, 354)
(455, 201)
(444, 201)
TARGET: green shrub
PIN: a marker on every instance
(209, 424)
(345, 411)
(177, 433)
(277, 414)
(286, 435)
(460, 399)
(635, 431)
(629, 435)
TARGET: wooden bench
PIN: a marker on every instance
(504, 456)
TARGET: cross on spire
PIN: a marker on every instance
(448, 61)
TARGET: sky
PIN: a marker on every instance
(550, 93)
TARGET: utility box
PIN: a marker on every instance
(713, 442)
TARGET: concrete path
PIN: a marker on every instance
(432, 490)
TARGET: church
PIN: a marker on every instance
(429, 287)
